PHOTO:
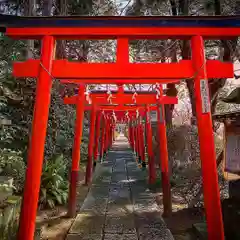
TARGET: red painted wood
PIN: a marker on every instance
(142, 144)
(103, 134)
(122, 81)
(163, 161)
(121, 108)
(137, 139)
(106, 135)
(130, 32)
(131, 134)
(151, 163)
(123, 72)
(37, 143)
(76, 152)
(122, 50)
(140, 140)
(140, 99)
(98, 128)
(207, 147)
(89, 168)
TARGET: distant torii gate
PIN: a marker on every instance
(127, 98)
(123, 72)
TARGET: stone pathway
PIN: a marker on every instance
(119, 205)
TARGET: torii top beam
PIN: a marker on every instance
(210, 27)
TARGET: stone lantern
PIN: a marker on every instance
(231, 163)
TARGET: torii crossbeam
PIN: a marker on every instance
(127, 98)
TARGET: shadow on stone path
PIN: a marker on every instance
(119, 205)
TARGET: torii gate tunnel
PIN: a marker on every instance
(123, 29)
(136, 111)
(136, 134)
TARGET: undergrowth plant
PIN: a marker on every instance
(54, 185)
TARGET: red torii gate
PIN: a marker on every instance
(196, 29)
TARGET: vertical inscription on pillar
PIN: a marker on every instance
(205, 96)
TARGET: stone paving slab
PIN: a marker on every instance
(120, 224)
(88, 237)
(86, 224)
(97, 207)
(119, 205)
(117, 177)
(118, 192)
(156, 234)
(114, 210)
(102, 181)
(99, 191)
(120, 237)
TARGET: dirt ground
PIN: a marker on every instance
(54, 223)
(182, 219)
(181, 222)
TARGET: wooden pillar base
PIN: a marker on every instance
(167, 195)
(73, 193)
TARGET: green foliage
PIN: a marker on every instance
(83, 7)
(84, 149)
(16, 97)
(12, 164)
(54, 187)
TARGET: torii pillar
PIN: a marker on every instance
(142, 142)
(98, 128)
(163, 161)
(211, 191)
(106, 141)
(139, 140)
(151, 164)
(37, 143)
(76, 152)
(131, 134)
(91, 145)
(103, 134)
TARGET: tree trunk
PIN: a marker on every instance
(135, 10)
(216, 84)
(47, 7)
(171, 88)
(172, 92)
(217, 6)
(30, 10)
(183, 7)
(61, 44)
(186, 54)
(174, 7)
